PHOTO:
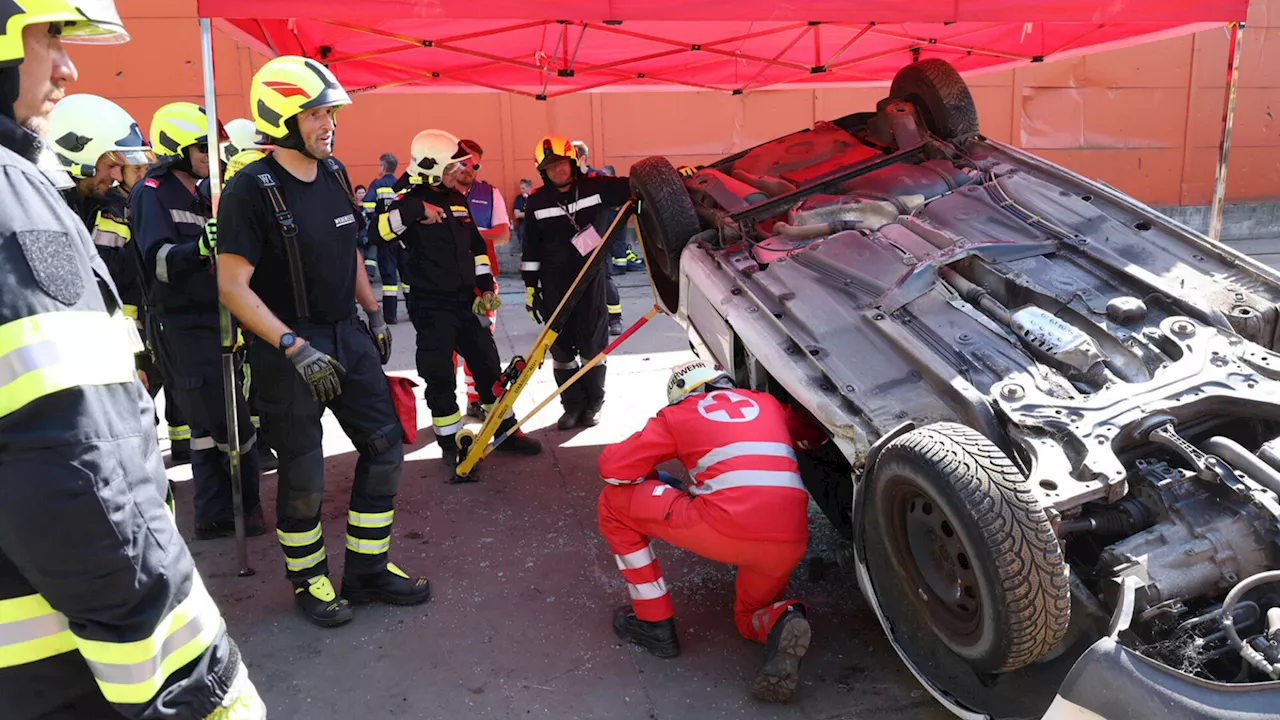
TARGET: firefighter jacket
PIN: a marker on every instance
(739, 449)
(167, 220)
(378, 198)
(552, 219)
(444, 259)
(94, 577)
(107, 220)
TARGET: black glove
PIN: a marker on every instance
(320, 372)
(380, 333)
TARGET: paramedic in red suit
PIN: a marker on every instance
(746, 507)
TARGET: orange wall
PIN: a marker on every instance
(1144, 119)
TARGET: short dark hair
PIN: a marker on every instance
(526, 181)
(471, 146)
(360, 189)
(388, 163)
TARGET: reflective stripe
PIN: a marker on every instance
(530, 266)
(447, 419)
(368, 547)
(245, 446)
(31, 630)
(550, 212)
(616, 481)
(303, 563)
(369, 520)
(114, 227)
(384, 191)
(203, 443)
(184, 216)
(635, 560)
(371, 263)
(483, 269)
(180, 432)
(648, 591)
(482, 259)
(390, 289)
(103, 238)
(749, 478)
(257, 421)
(390, 226)
(741, 449)
(369, 205)
(573, 207)
(614, 309)
(43, 354)
(299, 539)
(130, 311)
(557, 365)
(459, 211)
(162, 262)
(620, 261)
(131, 673)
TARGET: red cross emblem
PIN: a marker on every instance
(728, 406)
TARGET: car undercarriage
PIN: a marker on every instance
(1055, 413)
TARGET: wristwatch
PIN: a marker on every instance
(287, 340)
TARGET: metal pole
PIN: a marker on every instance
(1224, 146)
(225, 323)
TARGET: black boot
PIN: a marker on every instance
(569, 420)
(320, 604)
(476, 410)
(517, 443)
(448, 450)
(615, 325)
(779, 673)
(391, 585)
(573, 399)
(588, 418)
(593, 388)
(253, 526)
(658, 637)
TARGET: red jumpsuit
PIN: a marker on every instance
(746, 507)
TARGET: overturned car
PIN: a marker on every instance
(1055, 412)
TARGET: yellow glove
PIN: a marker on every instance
(242, 701)
(486, 303)
(533, 303)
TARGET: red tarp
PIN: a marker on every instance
(553, 48)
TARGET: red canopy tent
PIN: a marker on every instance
(547, 49)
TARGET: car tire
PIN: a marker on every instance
(666, 220)
(941, 96)
(969, 543)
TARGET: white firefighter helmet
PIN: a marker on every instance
(431, 152)
(83, 128)
(689, 377)
(242, 135)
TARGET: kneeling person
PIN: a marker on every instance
(746, 507)
(447, 261)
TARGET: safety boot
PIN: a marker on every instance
(779, 672)
(569, 420)
(589, 418)
(517, 443)
(615, 325)
(390, 585)
(633, 261)
(320, 604)
(659, 637)
(253, 526)
(476, 410)
(448, 450)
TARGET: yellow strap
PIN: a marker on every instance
(46, 353)
(130, 673)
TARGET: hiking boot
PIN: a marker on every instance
(659, 638)
(615, 325)
(267, 459)
(320, 604)
(517, 443)
(569, 420)
(476, 410)
(589, 419)
(391, 585)
(779, 673)
(253, 526)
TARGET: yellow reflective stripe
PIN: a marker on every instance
(369, 520)
(458, 208)
(384, 227)
(303, 563)
(447, 420)
(299, 539)
(385, 191)
(108, 224)
(614, 309)
(131, 673)
(371, 263)
(482, 259)
(180, 432)
(130, 311)
(370, 205)
(31, 630)
(390, 288)
(43, 354)
(368, 547)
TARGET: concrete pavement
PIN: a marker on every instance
(524, 587)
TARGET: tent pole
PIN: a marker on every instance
(1224, 145)
(225, 323)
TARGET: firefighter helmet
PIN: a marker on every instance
(285, 87)
(242, 136)
(178, 126)
(83, 21)
(85, 127)
(432, 151)
(552, 148)
(688, 377)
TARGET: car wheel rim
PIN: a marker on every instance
(930, 554)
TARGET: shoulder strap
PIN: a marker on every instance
(289, 237)
(340, 172)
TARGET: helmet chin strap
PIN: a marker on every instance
(293, 139)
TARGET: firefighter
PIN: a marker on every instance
(563, 210)
(613, 299)
(102, 611)
(168, 213)
(746, 507)
(446, 263)
(489, 213)
(385, 254)
(311, 352)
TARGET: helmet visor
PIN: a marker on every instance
(100, 24)
(138, 156)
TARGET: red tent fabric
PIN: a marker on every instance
(545, 49)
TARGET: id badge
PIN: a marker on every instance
(587, 240)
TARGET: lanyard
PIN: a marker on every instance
(576, 229)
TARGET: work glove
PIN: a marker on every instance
(209, 239)
(533, 303)
(381, 334)
(320, 372)
(487, 302)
